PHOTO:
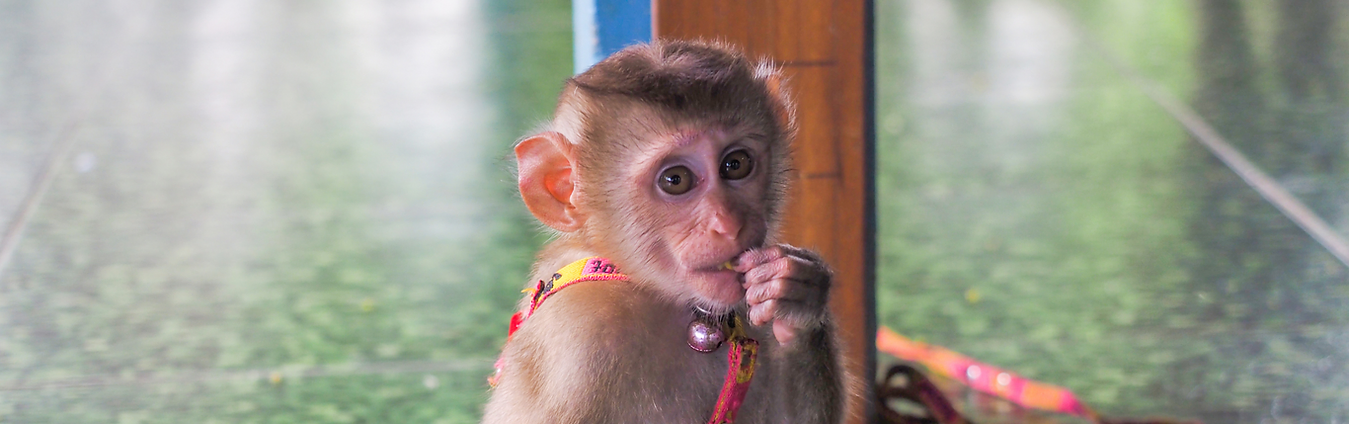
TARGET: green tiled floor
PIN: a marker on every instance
(303, 211)
(1040, 213)
(312, 189)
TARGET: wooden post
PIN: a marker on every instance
(825, 48)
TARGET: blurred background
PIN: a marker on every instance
(244, 211)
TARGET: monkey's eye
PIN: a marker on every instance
(676, 181)
(736, 165)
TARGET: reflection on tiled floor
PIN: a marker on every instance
(269, 211)
(1039, 213)
(302, 211)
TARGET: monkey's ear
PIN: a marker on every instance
(546, 162)
(776, 83)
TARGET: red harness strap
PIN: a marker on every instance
(741, 357)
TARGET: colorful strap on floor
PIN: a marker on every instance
(983, 377)
(916, 388)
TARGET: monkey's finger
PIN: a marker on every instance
(778, 288)
(772, 252)
(808, 260)
(753, 258)
(789, 319)
(796, 313)
(763, 312)
(784, 332)
(808, 254)
(789, 267)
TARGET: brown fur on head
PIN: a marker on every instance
(639, 101)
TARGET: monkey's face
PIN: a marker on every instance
(700, 197)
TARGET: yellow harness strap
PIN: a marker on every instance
(593, 268)
(589, 269)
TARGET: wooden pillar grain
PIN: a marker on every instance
(824, 48)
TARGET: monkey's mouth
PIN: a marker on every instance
(725, 267)
(719, 270)
(719, 288)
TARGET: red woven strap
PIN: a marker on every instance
(741, 359)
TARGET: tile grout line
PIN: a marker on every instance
(275, 374)
(10, 241)
(1267, 187)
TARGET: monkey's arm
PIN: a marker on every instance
(814, 384)
(788, 287)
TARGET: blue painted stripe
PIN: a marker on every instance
(622, 23)
(585, 38)
(602, 27)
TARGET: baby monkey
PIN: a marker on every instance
(664, 173)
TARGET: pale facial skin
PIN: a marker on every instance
(706, 190)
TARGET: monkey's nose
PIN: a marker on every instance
(721, 218)
(725, 224)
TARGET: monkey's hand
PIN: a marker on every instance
(787, 286)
